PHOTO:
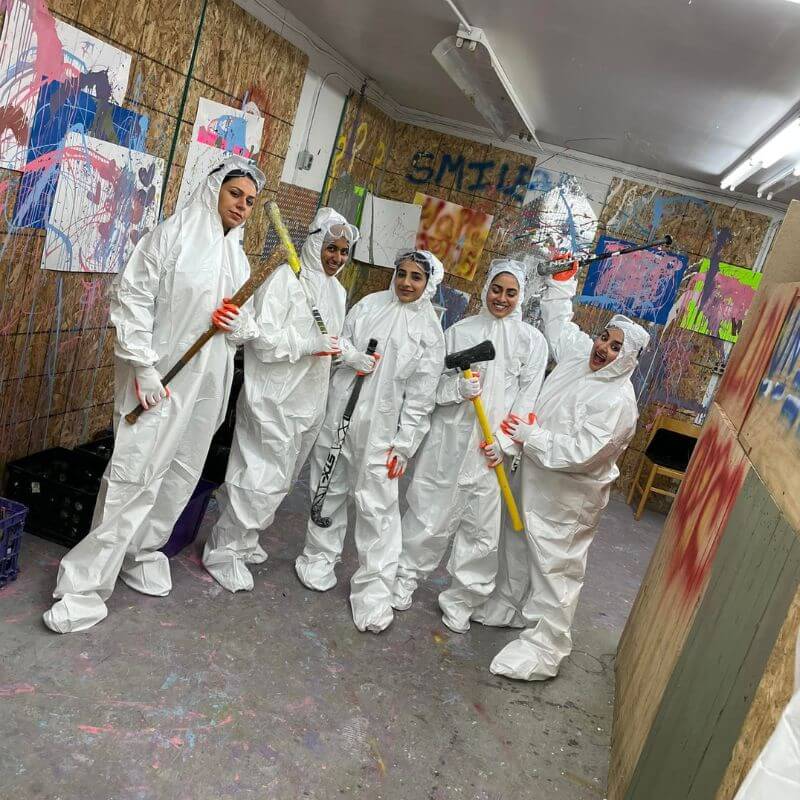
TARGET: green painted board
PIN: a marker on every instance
(753, 580)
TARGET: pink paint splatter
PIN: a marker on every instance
(14, 689)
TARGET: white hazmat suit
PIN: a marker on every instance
(160, 304)
(775, 775)
(585, 420)
(453, 492)
(281, 407)
(392, 415)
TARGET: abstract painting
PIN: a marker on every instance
(63, 108)
(456, 235)
(218, 129)
(387, 226)
(641, 285)
(36, 48)
(106, 199)
(455, 303)
(717, 299)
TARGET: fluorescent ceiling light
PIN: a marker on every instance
(472, 65)
(780, 144)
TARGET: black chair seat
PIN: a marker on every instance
(671, 450)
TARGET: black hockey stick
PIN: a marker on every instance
(333, 454)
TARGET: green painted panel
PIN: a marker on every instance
(752, 582)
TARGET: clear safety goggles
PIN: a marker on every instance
(417, 257)
(338, 230)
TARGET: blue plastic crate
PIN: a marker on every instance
(12, 522)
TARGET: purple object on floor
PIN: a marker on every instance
(12, 521)
(185, 530)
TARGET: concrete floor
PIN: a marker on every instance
(273, 694)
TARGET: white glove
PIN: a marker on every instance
(360, 362)
(227, 317)
(518, 429)
(322, 344)
(469, 387)
(149, 388)
(396, 464)
(493, 453)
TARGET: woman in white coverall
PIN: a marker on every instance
(282, 405)
(389, 422)
(453, 492)
(584, 419)
(161, 302)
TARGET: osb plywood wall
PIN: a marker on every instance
(56, 374)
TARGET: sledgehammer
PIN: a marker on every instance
(463, 360)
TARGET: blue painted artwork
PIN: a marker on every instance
(63, 108)
(455, 303)
(641, 284)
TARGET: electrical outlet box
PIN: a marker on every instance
(304, 159)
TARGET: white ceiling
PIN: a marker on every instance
(678, 86)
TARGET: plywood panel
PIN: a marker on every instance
(169, 32)
(774, 692)
(93, 14)
(217, 57)
(127, 25)
(751, 354)
(671, 592)
(753, 581)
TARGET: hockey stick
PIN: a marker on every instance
(333, 454)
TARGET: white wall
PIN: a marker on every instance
(315, 129)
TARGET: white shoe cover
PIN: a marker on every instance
(403, 593)
(75, 612)
(316, 575)
(376, 622)
(497, 614)
(229, 571)
(453, 625)
(524, 662)
(258, 556)
(150, 576)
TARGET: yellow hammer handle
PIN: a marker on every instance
(499, 470)
(283, 236)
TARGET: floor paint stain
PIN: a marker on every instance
(15, 689)
(95, 731)
(170, 681)
(437, 637)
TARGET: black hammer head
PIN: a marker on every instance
(463, 359)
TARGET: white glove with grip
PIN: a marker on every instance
(360, 362)
(469, 388)
(396, 464)
(149, 388)
(322, 344)
(493, 453)
(518, 429)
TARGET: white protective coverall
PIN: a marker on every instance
(775, 775)
(392, 413)
(585, 420)
(282, 404)
(453, 491)
(160, 304)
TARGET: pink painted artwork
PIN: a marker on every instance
(35, 49)
(641, 284)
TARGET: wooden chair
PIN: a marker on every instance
(668, 450)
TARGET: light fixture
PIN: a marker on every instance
(781, 143)
(472, 65)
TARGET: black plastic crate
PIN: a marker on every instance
(102, 447)
(60, 488)
(12, 522)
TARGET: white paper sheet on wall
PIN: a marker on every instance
(32, 53)
(218, 129)
(106, 199)
(386, 227)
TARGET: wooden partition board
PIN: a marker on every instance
(771, 434)
(754, 578)
(751, 354)
(672, 590)
(773, 694)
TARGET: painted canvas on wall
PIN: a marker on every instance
(36, 48)
(772, 427)
(456, 235)
(387, 226)
(641, 284)
(218, 129)
(717, 299)
(106, 199)
(62, 108)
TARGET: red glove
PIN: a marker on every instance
(569, 271)
(225, 317)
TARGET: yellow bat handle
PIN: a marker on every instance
(283, 236)
(499, 470)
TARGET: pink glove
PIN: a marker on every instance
(493, 453)
(517, 429)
